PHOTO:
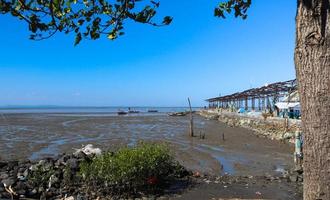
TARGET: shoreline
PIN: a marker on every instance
(273, 128)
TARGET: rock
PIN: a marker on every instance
(72, 163)
(89, 150)
(3, 164)
(33, 192)
(52, 181)
(69, 198)
(41, 189)
(2, 189)
(12, 164)
(62, 160)
(51, 192)
(22, 175)
(20, 186)
(293, 178)
(34, 167)
(288, 135)
(46, 164)
(81, 155)
(9, 181)
(3, 175)
(21, 192)
(43, 165)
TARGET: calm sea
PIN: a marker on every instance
(92, 110)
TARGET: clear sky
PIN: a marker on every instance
(197, 56)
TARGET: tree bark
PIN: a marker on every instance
(312, 62)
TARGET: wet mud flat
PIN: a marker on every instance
(253, 163)
(34, 136)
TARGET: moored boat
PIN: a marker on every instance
(122, 113)
(177, 114)
(133, 111)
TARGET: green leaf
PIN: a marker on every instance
(77, 39)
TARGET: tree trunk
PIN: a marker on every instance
(312, 61)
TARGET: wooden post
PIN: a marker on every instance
(253, 103)
(263, 103)
(246, 104)
(191, 120)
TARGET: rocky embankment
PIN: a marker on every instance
(271, 127)
(51, 178)
(61, 178)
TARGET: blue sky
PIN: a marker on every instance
(197, 56)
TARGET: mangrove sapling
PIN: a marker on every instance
(129, 170)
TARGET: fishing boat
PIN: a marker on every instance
(122, 113)
(177, 114)
(152, 111)
(133, 111)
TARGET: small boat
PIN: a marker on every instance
(177, 114)
(133, 111)
(152, 111)
(122, 113)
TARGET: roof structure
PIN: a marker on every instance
(274, 89)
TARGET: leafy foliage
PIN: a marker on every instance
(89, 19)
(138, 167)
(40, 176)
(240, 8)
(85, 18)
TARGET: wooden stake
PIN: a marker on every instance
(191, 120)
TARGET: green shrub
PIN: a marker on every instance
(40, 176)
(137, 167)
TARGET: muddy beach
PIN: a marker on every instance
(255, 164)
(38, 135)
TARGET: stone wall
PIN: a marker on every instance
(274, 128)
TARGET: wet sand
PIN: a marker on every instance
(34, 136)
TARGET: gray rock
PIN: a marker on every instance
(9, 181)
(81, 155)
(33, 192)
(3, 164)
(62, 160)
(22, 175)
(293, 178)
(53, 180)
(43, 165)
(3, 175)
(72, 163)
(21, 192)
(288, 135)
(41, 189)
(47, 165)
(34, 167)
(300, 178)
(2, 189)
(12, 164)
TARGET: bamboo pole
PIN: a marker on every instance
(191, 120)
